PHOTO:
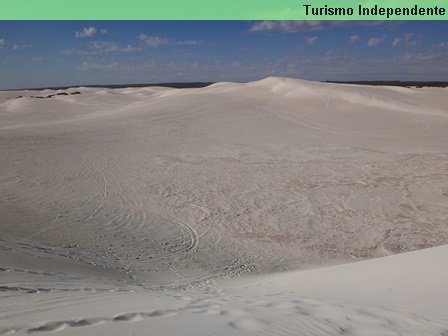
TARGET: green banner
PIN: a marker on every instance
(224, 10)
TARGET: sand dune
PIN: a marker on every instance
(135, 205)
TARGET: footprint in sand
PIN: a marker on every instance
(49, 327)
(247, 324)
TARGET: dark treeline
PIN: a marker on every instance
(192, 85)
(188, 85)
(417, 84)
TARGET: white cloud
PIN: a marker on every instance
(153, 41)
(354, 39)
(20, 46)
(375, 42)
(86, 66)
(443, 45)
(14, 46)
(294, 26)
(407, 39)
(189, 42)
(310, 40)
(103, 31)
(157, 41)
(410, 39)
(99, 47)
(103, 46)
(86, 32)
(78, 52)
(397, 41)
(306, 25)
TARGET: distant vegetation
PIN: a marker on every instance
(192, 85)
(188, 85)
(396, 83)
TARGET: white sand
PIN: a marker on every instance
(165, 207)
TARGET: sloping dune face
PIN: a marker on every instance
(173, 187)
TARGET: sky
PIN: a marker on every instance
(65, 53)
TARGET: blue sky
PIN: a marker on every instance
(59, 53)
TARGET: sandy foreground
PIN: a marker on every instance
(276, 207)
